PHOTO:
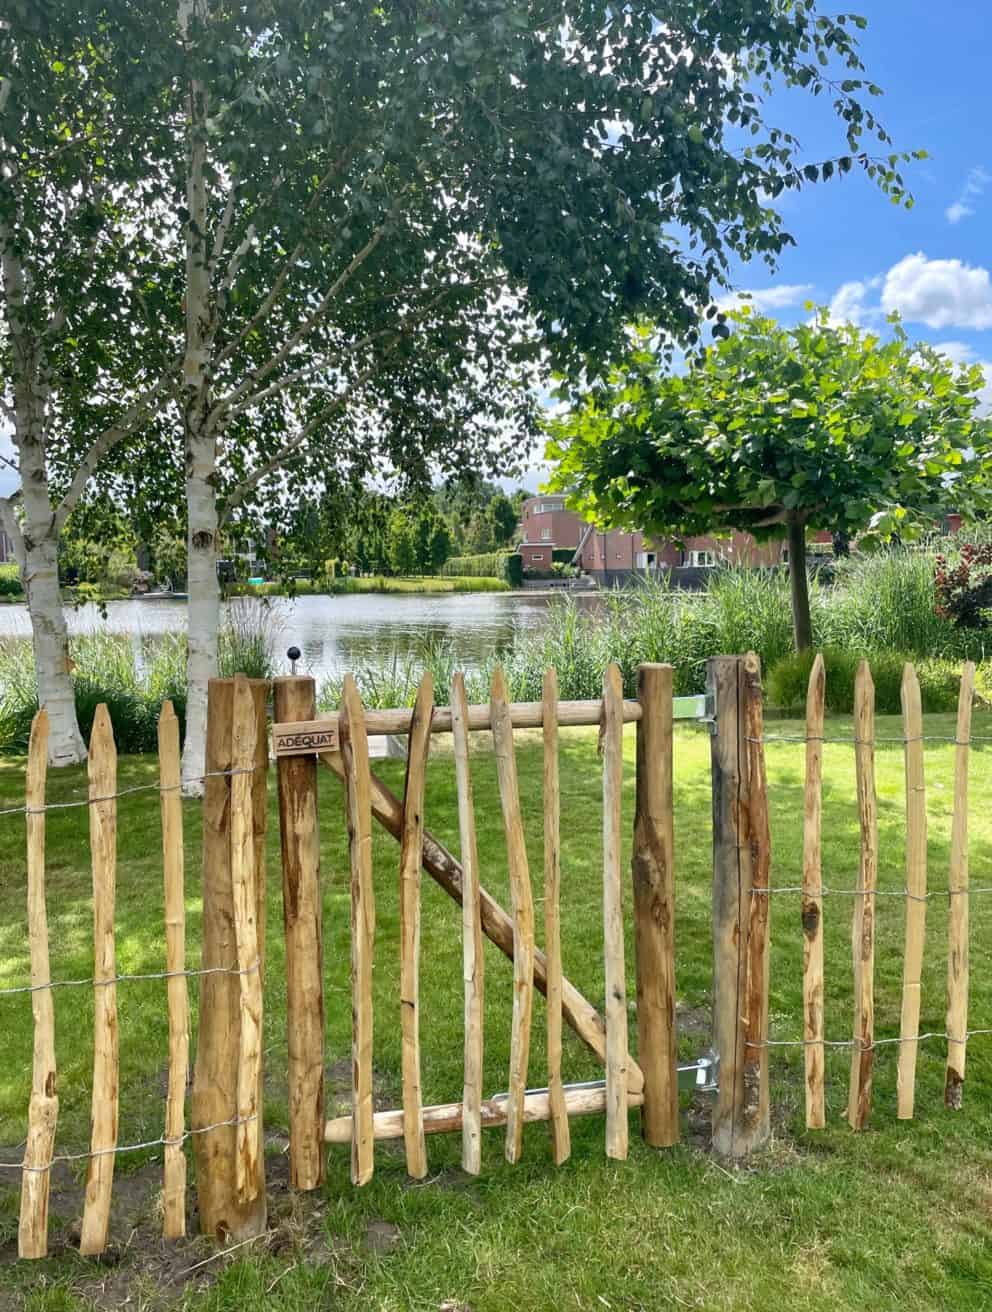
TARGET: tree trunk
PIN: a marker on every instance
(802, 624)
(36, 546)
(203, 607)
(36, 539)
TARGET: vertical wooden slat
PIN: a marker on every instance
(812, 900)
(957, 924)
(223, 1215)
(916, 889)
(245, 902)
(355, 750)
(560, 1136)
(472, 958)
(757, 1112)
(522, 910)
(177, 993)
(653, 870)
(731, 898)
(294, 698)
(43, 1110)
(616, 984)
(103, 1120)
(863, 934)
(411, 856)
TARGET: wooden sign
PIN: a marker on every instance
(304, 737)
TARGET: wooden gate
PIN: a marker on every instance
(340, 743)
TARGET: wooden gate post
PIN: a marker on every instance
(215, 1077)
(294, 698)
(653, 871)
(731, 897)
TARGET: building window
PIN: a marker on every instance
(548, 507)
(784, 557)
(647, 559)
(537, 555)
(702, 559)
(545, 535)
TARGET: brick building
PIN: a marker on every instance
(613, 557)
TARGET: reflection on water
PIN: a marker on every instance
(340, 633)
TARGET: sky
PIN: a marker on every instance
(856, 251)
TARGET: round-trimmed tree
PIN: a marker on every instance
(777, 432)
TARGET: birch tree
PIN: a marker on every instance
(370, 228)
(80, 369)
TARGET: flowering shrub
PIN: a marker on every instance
(964, 590)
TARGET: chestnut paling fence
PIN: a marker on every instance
(225, 1123)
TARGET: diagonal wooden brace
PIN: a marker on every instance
(446, 870)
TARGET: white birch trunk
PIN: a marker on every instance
(36, 537)
(36, 547)
(203, 607)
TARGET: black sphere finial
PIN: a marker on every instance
(293, 653)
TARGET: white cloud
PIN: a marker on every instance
(767, 298)
(959, 352)
(939, 293)
(958, 211)
(975, 183)
(848, 303)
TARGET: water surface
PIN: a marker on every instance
(340, 633)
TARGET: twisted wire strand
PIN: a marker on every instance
(862, 1047)
(127, 979)
(127, 792)
(872, 892)
(161, 1142)
(870, 742)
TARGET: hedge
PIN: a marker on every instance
(490, 565)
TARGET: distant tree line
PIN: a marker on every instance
(376, 533)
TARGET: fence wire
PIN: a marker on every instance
(871, 892)
(870, 742)
(161, 1142)
(862, 1047)
(127, 792)
(128, 979)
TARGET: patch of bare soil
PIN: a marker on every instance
(142, 1271)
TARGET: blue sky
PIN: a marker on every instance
(858, 252)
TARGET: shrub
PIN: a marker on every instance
(506, 565)
(888, 601)
(10, 581)
(964, 588)
(107, 670)
(787, 680)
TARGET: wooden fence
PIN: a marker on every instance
(743, 888)
(225, 1127)
(341, 743)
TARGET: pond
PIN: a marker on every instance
(336, 634)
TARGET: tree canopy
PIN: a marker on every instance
(778, 431)
(271, 243)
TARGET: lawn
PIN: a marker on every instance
(896, 1217)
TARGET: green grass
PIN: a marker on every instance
(896, 1217)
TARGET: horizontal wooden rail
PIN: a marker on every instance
(446, 1117)
(322, 735)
